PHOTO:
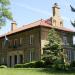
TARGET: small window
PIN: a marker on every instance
(65, 40)
(15, 43)
(11, 43)
(31, 39)
(2, 44)
(21, 41)
(61, 23)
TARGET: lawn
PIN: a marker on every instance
(13, 71)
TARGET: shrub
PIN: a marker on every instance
(3, 66)
(26, 65)
(48, 62)
(29, 65)
(58, 66)
(67, 66)
(18, 66)
(39, 64)
(35, 64)
(72, 64)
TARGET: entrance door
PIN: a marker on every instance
(15, 59)
(10, 61)
(21, 59)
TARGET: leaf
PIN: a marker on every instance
(73, 23)
(72, 9)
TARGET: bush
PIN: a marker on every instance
(37, 64)
(26, 65)
(58, 66)
(48, 62)
(72, 64)
(3, 66)
(18, 66)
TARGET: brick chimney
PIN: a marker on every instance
(56, 10)
(56, 19)
(13, 25)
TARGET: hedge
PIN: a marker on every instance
(36, 64)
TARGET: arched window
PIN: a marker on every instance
(61, 23)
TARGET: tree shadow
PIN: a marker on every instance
(55, 71)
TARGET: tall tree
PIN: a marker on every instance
(73, 10)
(53, 50)
(5, 12)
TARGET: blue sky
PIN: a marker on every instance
(28, 11)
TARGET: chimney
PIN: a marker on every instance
(13, 25)
(56, 9)
(56, 19)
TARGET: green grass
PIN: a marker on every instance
(33, 71)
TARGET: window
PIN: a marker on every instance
(61, 23)
(21, 59)
(15, 43)
(74, 55)
(32, 54)
(2, 60)
(10, 60)
(11, 43)
(69, 55)
(15, 59)
(3, 44)
(31, 39)
(21, 41)
(65, 40)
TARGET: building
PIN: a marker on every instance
(25, 44)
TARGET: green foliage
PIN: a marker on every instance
(39, 64)
(5, 13)
(48, 62)
(72, 64)
(36, 64)
(3, 66)
(54, 52)
(26, 65)
(53, 48)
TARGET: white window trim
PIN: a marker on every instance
(31, 39)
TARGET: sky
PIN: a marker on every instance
(28, 11)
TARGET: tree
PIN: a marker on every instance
(54, 50)
(73, 10)
(5, 13)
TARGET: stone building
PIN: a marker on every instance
(25, 44)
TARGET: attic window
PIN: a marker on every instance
(61, 23)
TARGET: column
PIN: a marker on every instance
(13, 61)
(18, 59)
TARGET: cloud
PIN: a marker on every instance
(33, 9)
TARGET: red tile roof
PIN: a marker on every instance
(35, 24)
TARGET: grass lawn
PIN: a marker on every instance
(33, 71)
